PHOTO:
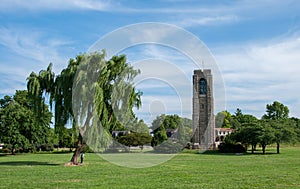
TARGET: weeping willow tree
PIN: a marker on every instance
(96, 95)
(39, 86)
(58, 89)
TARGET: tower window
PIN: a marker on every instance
(203, 86)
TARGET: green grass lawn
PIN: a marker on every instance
(186, 170)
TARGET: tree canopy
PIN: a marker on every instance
(19, 128)
(95, 94)
(274, 127)
(276, 110)
(171, 126)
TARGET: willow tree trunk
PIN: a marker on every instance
(278, 146)
(79, 148)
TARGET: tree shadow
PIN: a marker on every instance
(26, 163)
(216, 152)
(62, 152)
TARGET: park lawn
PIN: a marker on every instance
(185, 170)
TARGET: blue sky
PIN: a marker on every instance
(256, 44)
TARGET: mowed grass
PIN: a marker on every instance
(185, 170)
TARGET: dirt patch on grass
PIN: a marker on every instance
(73, 164)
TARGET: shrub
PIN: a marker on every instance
(231, 148)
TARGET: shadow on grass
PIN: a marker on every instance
(62, 152)
(216, 152)
(26, 163)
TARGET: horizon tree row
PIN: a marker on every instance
(275, 126)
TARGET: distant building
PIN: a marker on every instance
(220, 134)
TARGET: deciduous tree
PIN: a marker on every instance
(93, 93)
(276, 110)
(18, 126)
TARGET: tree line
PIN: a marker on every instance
(96, 95)
(275, 127)
(22, 131)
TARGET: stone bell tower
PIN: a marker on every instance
(203, 109)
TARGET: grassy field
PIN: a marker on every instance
(186, 170)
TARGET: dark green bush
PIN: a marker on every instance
(47, 147)
(231, 148)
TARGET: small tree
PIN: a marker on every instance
(277, 118)
(267, 136)
(283, 131)
(135, 139)
(248, 135)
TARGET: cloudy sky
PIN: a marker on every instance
(256, 46)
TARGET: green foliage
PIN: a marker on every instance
(267, 136)
(67, 138)
(19, 128)
(275, 127)
(296, 127)
(241, 119)
(52, 137)
(92, 93)
(105, 96)
(5, 101)
(135, 139)
(284, 131)
(171, 121)
(277, 119)
(248, 134)
(223, 119)
(182, 128)
(276, 111)
(135, 125)
(252, 134)
(160, 135)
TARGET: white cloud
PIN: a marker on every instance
(34, 46)
(205, 20)
(26, 51)
(12, 79)
(256, 74)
